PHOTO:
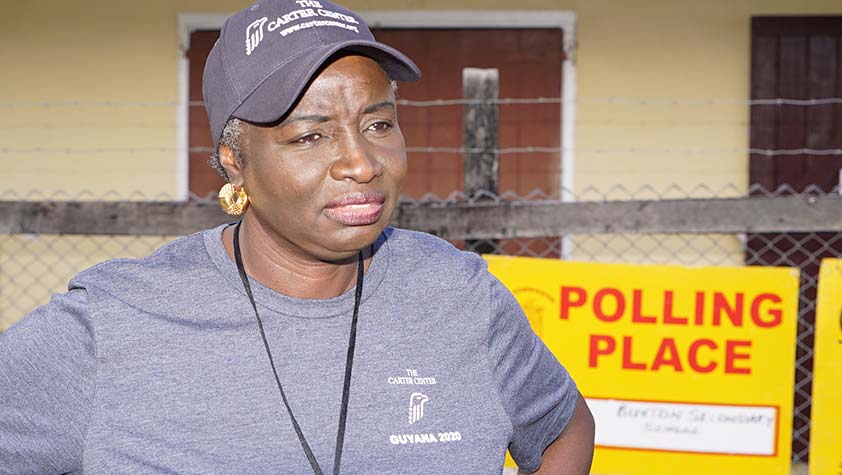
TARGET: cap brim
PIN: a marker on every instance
(274, 96)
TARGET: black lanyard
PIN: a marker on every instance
(349, 361)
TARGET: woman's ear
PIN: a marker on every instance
(233, 167)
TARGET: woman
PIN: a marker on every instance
(308, 337)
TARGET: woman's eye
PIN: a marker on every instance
(380, 126)
(307, 139)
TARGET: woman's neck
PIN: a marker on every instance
(275, 266)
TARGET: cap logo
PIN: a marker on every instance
(254, 34)
(290, 22)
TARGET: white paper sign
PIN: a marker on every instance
(685, 427)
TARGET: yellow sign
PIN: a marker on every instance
(687, 370)
(826, 415)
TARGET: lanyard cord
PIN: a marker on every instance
(349, 361)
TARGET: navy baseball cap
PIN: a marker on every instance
(267, 53)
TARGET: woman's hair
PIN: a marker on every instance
(231, 138)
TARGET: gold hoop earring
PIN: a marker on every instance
(232, 200)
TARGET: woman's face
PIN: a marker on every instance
(325, 181)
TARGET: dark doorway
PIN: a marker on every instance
(796, 58)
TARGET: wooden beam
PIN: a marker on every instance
(108, 217)
(457, 220)
(692, 216)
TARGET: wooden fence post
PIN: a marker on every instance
(481, 139)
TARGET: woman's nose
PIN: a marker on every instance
(356, 162)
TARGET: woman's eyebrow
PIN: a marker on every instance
(323, 118)
(380, 105)
(308, 118)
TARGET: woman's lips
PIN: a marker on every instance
(356, 209)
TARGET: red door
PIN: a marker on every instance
(529, 61)
(203, 180)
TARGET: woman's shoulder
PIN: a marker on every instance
(414, 248)
(175, 261)
(180, 281)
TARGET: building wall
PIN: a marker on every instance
(99, 51)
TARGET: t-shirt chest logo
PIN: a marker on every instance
(418, 430)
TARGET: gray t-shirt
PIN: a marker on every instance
(156, 365)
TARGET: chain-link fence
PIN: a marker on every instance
(41, 249)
